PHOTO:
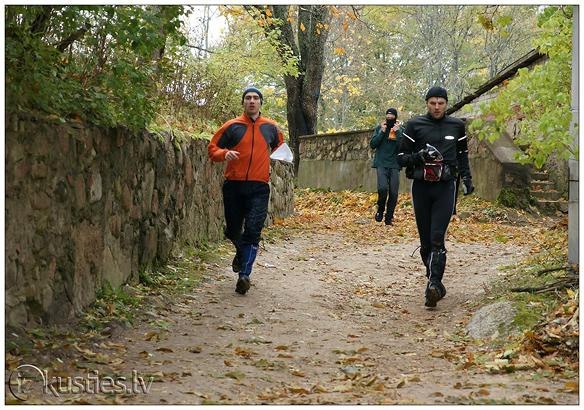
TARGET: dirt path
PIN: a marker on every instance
(327, 320)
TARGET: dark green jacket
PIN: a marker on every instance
(385, 149)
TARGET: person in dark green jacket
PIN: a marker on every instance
(385, 141)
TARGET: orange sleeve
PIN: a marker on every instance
(217, 154)
(280, 139)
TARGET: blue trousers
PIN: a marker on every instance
(246, 207)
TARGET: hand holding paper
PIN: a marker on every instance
(283, 153)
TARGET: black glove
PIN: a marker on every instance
(425, 156)
(467, 186)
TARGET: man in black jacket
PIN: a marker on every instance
(434, 151)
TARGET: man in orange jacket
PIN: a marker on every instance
(246, 143)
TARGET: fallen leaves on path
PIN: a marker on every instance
(557, 337)
(477, 220)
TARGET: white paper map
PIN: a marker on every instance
(283, 153)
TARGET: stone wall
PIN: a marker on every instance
(494, 167)
(86, 205)
(340, 161)
(343, 160)
(556, 167)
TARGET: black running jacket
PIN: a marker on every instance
(447, 134)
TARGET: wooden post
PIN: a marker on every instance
(573, 239)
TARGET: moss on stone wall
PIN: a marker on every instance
(515, 198)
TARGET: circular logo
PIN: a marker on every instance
(25, 380)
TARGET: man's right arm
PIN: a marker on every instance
(407, 156)
(376, 138)
(216, 150)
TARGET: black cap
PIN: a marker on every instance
(437, 92)
(252, 90)
(392, 111)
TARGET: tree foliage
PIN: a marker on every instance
(300, 33)
(538, 99)
(95, 63)
(386, 56)
(204, 89)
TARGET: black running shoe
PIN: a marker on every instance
(236, 264)
(442, 290)
(379, 216)
(432, 295)
(243, 284)
(388, 221)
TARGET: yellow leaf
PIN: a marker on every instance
(340, 51)
(317, 388)
(244, 352)
(302, 27)
(151, 335)
(298, 390)
(570, 293)
(379, 387)
(572, 387)
(268, 13)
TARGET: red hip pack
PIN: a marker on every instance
(433, 171)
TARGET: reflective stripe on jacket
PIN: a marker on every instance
(447, 134)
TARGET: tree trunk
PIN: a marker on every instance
(302, 91)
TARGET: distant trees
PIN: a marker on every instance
(390, 55)
(304, 42)
(321, 67)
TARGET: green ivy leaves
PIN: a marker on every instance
(537, 101)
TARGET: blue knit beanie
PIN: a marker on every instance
(252, 90)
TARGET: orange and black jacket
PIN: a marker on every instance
(254, 140)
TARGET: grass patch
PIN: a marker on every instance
(182, 273)
(185, 270)
(121, 306)
(110, 304)
(531, 309)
